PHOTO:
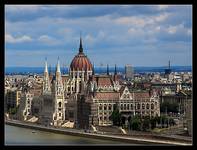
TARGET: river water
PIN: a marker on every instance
(23, 136)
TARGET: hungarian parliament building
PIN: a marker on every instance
(83, 98)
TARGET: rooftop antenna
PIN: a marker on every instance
(169, 64)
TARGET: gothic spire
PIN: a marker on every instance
(58, 65)
(93, 69)
(80, 45)
(115, 71)
(46, 68)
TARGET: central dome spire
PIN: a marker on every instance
(80, 45)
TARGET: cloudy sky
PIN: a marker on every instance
(141, 35)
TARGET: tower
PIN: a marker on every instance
(168, 71)
(46, 82)
(129, 72)
(59, 107)
(80, 69)
(107, 69)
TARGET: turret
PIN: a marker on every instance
(46, 82)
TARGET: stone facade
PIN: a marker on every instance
(87, 99)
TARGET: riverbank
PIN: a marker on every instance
(123, 138)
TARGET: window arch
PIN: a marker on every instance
(121, 106)
(131, 106)
(143, 106)
(127, 106)
(105, 107)
(138, 106)
(60, 104)
(147, 106)
(152, 106)
(100, 107)
(110, 107)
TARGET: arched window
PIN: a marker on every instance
(138, 106)
(127, 106)
(100, 107)
(152, 106)
(131, 106)
(128, 96)
(143, 106)
(105, 107)
(121, 106)
(60, 104)
(125, 95)
(147, 106)
(109, 107)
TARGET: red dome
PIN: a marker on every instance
(81, 62)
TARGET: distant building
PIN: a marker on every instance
(168, 71)
(129, 72)
(188, 115)
(13, 97)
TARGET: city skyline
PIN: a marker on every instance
(112, 34)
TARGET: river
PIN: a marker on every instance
(23, 136)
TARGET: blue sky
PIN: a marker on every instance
(141, 35)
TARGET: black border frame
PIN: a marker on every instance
(104, 2)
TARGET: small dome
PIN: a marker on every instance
(80, 61)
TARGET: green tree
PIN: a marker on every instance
(115, 117)
(163, 119)
(171, 122)
(153, 122)
(146, 123)
(136, 123)
(13, 110)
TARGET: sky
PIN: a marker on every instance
(140, 35)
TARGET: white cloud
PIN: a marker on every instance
(162, 7)
(90, 39)
(131, 21)
(158, 28)
(143, 20)
(18, 8)
(161, 17)
(189, 31)
(10, 39)
(174, 29)
(48, 40)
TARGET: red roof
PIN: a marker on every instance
(107, 96)
(139, 95)
(104, 81)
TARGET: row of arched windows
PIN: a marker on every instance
(101, 107)
(144, 106)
